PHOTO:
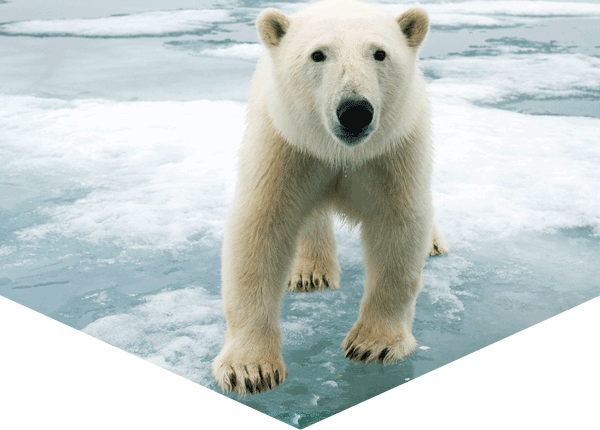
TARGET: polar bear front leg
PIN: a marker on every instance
(394, 254)
(257, 254)
(260, 238)
(276, 190)
(316, 265)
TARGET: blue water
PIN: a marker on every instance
(117, 152)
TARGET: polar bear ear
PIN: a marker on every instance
(414, 24)
(272, 25)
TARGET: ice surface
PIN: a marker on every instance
(504, 174)
(177, 330)
(245, 51)
(507, 172)
(159, 23)
(157, 173)
(540, 76)
(483, 13)
(191, 21)
(457, 20)
(516, 8)
(112, 211)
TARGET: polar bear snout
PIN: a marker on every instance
(355, 117)
(355, 114)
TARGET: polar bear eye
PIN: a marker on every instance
(380, 55)
(318, 56)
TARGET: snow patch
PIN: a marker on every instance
(493, 79)
(178, 330)
(159, 23)
(155, 173)
(244, 51)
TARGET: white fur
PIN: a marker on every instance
(294, 173)
(302, 95)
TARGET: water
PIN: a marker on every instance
(119, 123)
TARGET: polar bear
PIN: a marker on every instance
(338, 121)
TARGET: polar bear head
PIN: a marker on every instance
(342, 77)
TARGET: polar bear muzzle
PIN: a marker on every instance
(354, 116)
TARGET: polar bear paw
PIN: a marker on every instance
(440, 246)
(364, 345)
(310, 275)
(249, 378)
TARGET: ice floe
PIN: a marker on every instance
(158, 23)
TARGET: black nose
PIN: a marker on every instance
(355, 115)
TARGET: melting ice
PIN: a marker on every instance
(118, 136)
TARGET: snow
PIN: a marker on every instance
(540, 76)
(159, 23)
(504, 173)
(159, 172)
(155, 173)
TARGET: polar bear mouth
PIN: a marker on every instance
(352, 137)
(354, 121)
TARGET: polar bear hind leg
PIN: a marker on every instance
(439, 244)
(316, 267)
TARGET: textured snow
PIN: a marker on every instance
(503, 174)
(157, 172)
(244, 51)
(190, 21)
(491, 79)
(160, 23)
(177, 330)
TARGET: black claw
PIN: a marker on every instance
(365, 356)
(258, 390)
(248, 385)
(232, 380)
(326, 282)
(261, 380)
(350, 352)
(277, 377)
(355, 354)
(268, 381)
(383, 354)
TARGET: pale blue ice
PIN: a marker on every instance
(119, 123)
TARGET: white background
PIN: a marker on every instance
(53, 376)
